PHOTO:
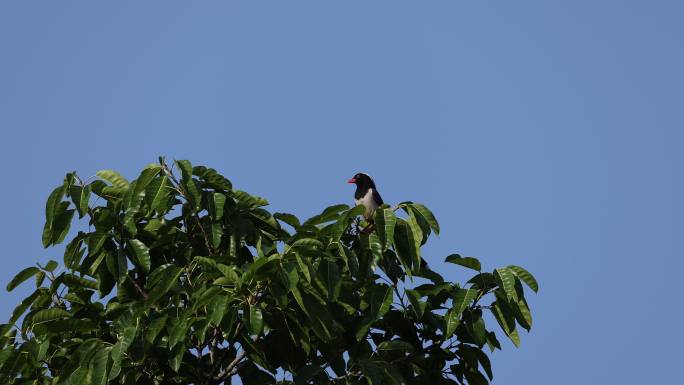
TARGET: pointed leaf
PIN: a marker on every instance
(287, 218)
(157, 194)
(385, 221)
(97, 373)
(452, 319)
(168, 278)
(80, 196)
(219, 202)
(416, 304)
(525, 276)
(256, 320)
(506, 280)
(396, 345)
(21, 277)
(427, 215)
(142, 254)
(114, 178)
(46, 315)
(469, 262)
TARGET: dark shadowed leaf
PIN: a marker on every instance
(256, 320)
(80, 196)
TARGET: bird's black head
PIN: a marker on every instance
(363, 181)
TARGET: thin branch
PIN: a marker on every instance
(137, 286)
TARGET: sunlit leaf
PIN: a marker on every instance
(525, 276)
(142, 254)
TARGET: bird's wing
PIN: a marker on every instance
(377, 198)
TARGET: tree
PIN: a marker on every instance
(180, 278)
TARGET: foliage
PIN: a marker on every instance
(180, 278)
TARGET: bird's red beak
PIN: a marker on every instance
(352, 180)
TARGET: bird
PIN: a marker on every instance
(366, 194)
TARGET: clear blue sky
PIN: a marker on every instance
(547, 134)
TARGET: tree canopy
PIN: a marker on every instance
(176, 277)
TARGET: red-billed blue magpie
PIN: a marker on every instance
(366, 194)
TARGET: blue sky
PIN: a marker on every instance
(547, 134)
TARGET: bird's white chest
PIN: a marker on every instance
(368, 202)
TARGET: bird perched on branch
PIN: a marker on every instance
(366, 194)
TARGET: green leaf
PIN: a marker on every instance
(330, 214)
(46, 315)
(287, 218)
(452, 319)
(216, 234)
(80, 196)
(154, 328)
(504, 316)
(191, 191)
(120, 347)
(427, 215)
(52, 203)
(522, 314)
(381, 300)
(515, 338)
(28, 301)
(51, 266)
(416, 304)
(506, 280)
(169, 277)
(97, 373)
(74, 281)
(405, 245)
(178, 329)
(419, 237)
(485, 363)
(114, 178)
(144, 180)
(462, 299)
(330, 274)
(212, 178)
(396, 345)
(142, 254)
(469, 262)
(21, 277)
(256, 320)
(219, 202)
(57, 228)
(117, 265)
(525, 276)
(177, 357)
(217, 309)
(307, 243)
(157, 194)
(385, 220)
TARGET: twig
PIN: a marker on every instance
(137, 286)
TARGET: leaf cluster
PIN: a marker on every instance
(181, 278)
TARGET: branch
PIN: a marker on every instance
(232, 368)
(137, 286)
